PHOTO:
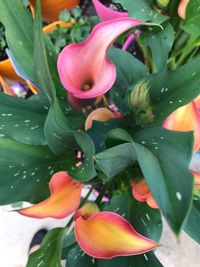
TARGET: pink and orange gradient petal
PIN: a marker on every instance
(84, 68)
(64, 199)
(99, 114)
(106, 13)
(182, 8)
(151, 202)
(105, 235)
(140, 190)
(186, 118)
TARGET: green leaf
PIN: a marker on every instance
(129, 71)
(41, 73)
(160, 42)
(76, 258)
(26, 171)
(192, 22)
(164, 160)
(49, 253)
(23, 120)
(114, 160)
(86, 170)
(99, 131)
(192, 224)
(164, 157)
(141, 10)
(18, 22)
(57, 130)
(170, 90)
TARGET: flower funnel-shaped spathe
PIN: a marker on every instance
(105, 235)
(84, 69)
(65, 199)
(186, 118)
(106, 13)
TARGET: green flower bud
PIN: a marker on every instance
(140, 103)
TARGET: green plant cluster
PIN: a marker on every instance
(77, 32)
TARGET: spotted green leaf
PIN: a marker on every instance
(49, 253)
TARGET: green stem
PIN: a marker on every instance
(147, 60)
(105, 101)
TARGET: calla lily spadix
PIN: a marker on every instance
(84, 69)
(186, 118)
(105, 235)
(182, 8)
(64, 199)
(106, 13)
(99, 234)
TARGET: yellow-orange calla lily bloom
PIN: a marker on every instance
(141, 192)
(186, 118)
(64, 199)
(99, 234)
(105, 235)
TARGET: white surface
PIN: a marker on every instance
(16, 233)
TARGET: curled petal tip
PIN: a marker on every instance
(141, 192)
(182, 8)
(99, 114)
(84, 69)
(106, 13)
(64, 199)
(106, 235)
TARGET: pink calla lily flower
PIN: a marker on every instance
(106, 13)
(84, 69)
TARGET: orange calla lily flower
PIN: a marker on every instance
(105, 235)
(186, 118)
(99, 234)
(141, 192)
(182, 8)
(64, 199)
